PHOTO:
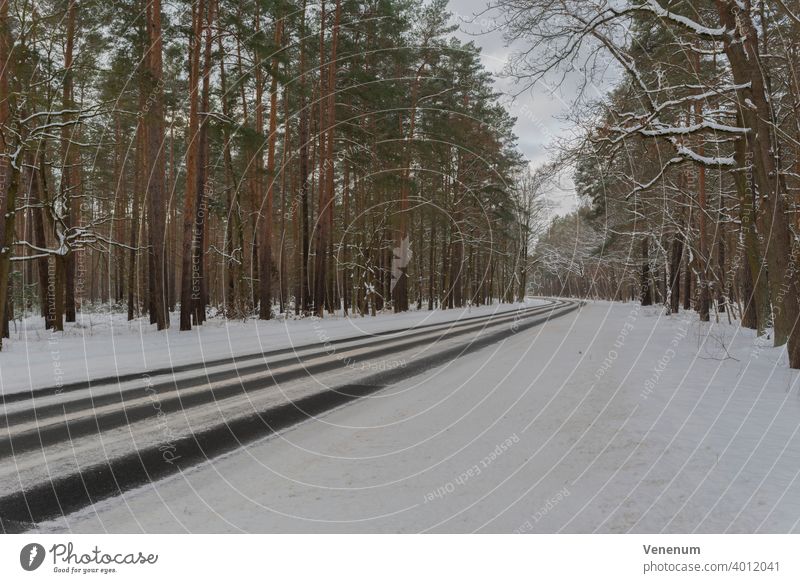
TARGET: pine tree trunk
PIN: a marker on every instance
(133, 238)
(156, 205)
(646, 288)
(302, 257)
(70, 171)
(676, 258)
(325, 161)
(232, 222)
(9, 175)
(265, 251)
(189, 285)
(204, 184)
(722, 290)
(704, 295)
(432, 264)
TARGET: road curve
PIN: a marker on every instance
(63, 449)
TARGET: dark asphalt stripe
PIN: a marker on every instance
(41, 437)
(78, 427)
(116, 379)
(21, 510)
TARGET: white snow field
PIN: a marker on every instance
(614, 418)
(106, 344)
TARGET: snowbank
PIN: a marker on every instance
(106, 344)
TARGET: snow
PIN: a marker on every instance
(662, 130)
(614, 418)
(705, 160)
(656, 8)
(106, 344)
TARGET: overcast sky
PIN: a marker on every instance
(537, 110)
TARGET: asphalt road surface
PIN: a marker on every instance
(62, 449)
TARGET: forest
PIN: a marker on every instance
(274, 158)
(252, 159)
(687, 167)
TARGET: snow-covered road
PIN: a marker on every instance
(108, 345)
(62, 448)
(612, 419)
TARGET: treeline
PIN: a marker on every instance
(689, 168)
(252, 158)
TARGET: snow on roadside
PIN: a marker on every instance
(106, 344)
(614, 418)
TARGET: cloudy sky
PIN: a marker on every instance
(537, 110)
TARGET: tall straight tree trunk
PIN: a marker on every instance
(199, 254)
(457, 273)
(156, 203)
(676, 258)
(37, 200)
(188, 291)
(325, 213)
(265, 251)
(303, 294)
(333, 67)
(402, 246)
(233, 307)
(70, 172)
(171, 262)
(60, 287)
(246, 204)
(523, 262)
(687, 265)
(704, 295)
(151, 292)
(257, 169)
(116, 256)
(138, 183)
(647, 290)
(432, 264)
(722, 291)
(456, 287)
(8, 174)
(285, 174)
